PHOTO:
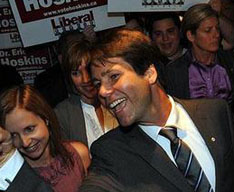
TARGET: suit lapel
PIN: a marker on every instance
(27, 180)
(152, 153)
(81, 130)
(208, 131)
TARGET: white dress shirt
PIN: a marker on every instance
(10, 169)
(188, 132)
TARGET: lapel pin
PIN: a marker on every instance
(213, 139)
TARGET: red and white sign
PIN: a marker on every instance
(42, 21)
(9, 35)
(27, 62)
(34, 10)
(151, 5)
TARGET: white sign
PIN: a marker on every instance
(42, 21)
(151, 5)
(10, 40)
(4, 3)
(27, 62)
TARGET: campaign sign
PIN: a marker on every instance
(28, 62)
(9, 36)
(3, 3)
(42, 21)
(151, 5)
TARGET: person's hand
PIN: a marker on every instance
(6, 146)
(216, 5)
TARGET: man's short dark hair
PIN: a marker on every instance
(160, 16)
(133, 47)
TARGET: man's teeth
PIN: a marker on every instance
(115, 103)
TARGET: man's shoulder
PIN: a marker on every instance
(20, 183)
(180, 62)
(204, 106)
(113, 138)
(202, 101)
(114, 134)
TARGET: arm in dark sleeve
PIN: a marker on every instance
(98, 182)
(102, 172)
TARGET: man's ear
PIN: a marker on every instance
(151, 74)
(190, 36)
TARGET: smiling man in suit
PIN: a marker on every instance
(141, 154)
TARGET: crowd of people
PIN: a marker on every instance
(143, 107)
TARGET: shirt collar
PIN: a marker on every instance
(173, 116)
(172, 121)
(10, 169)
(195, 61)
(86, 105)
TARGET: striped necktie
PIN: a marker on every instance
(186, 161)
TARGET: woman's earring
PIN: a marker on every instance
(47, 122)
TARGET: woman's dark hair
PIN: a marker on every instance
(76, 49)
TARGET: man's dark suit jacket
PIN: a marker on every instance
(27, 180)
(126, 159)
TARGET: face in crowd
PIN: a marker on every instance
(207, 36)
(75, 58)
(32, 123)
(30, 134)
(166, 36)
(121, 90)
(83, 84)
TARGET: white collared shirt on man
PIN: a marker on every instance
(10, 169)
(189, 133)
